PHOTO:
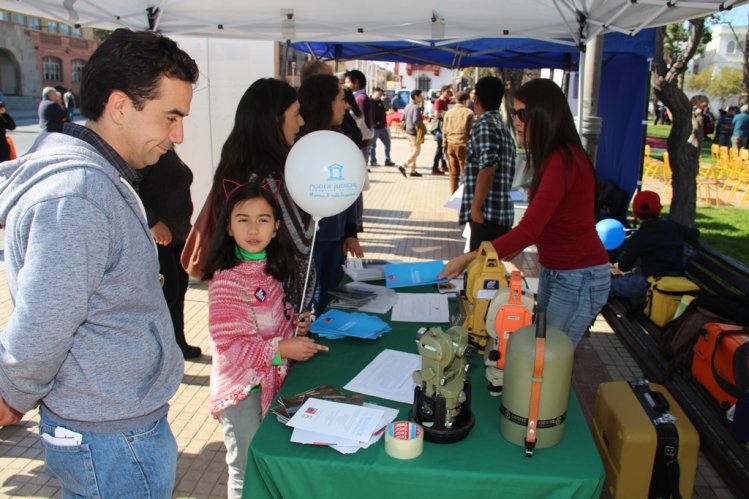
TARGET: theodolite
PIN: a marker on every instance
(483, 278)
(442, 399)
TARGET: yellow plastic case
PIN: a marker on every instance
(664, 296)
(627, 441)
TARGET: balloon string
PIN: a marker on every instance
(309, 263)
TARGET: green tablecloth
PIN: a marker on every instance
(484, 464)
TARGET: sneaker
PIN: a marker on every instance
(402, 169)
(437, 172)
(389, 163)
(415, 174)
(373, 163)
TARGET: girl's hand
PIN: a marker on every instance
(302, 323)
(457, 265)
(299, 348)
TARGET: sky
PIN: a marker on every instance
(737, 16)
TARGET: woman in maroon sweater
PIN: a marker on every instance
(574, 272)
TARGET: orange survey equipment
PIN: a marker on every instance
(511, 316)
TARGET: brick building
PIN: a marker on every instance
(37, 52)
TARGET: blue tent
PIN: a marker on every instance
(623, 91)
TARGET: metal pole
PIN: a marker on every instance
(591, 122)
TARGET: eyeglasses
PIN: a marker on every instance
(521, 114)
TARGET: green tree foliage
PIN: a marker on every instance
(699, 82)
(728, 83)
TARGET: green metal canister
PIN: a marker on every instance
(558, 353)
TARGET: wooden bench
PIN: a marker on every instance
(717, 274)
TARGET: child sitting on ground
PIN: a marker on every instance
(251, 323)
(658, 245)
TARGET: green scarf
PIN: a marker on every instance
(246, 255)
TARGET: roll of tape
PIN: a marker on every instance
(404, 440)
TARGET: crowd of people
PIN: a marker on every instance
(730, 128)
(105, 208)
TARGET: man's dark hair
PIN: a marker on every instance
(462, 97)
(356, 76)
(489, 92)
(415, 93)
(132, 62)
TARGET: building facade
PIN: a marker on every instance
(725, 50)
(37, 53)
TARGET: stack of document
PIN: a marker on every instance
(288, 406)
(382, 301)
(335, 324)
(344, 427)
(359, 269)
(352, 298)
(398, 275)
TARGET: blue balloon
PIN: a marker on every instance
(611, 232)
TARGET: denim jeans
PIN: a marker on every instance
(329, 259)
(239, 423)
(633, 285)
(132, 464)
(384, 135)
(573, 298)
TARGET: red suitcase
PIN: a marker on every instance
(721, 361)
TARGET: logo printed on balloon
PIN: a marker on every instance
(336, 185)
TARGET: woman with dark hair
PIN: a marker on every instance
(574, 275)
(323, 107)
(265, 125)
(350, 125)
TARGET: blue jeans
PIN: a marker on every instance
(633, 285)
(329, 260)
(132, 464)
(239, 424)
(384, 135)
(573, 298)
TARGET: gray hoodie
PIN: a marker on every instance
(90, 336)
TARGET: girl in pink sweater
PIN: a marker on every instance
(251, 323)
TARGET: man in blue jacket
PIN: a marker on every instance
(90, 340)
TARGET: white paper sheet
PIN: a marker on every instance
(388, 376)
(421, 307)
(384, 301)
(351, 422)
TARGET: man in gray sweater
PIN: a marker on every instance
(90, 340)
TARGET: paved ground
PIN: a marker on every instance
(405, 218)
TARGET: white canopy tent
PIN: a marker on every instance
(334, 20)
(232, 39)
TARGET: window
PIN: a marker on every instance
(423, 83)
(35, 23)
(5, 16)
(77, 32)
(76, 67)
(52, 26)
(65, 29)
(51, 69)
(19, 19)
(731, 47)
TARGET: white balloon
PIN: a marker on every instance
(325, 173)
